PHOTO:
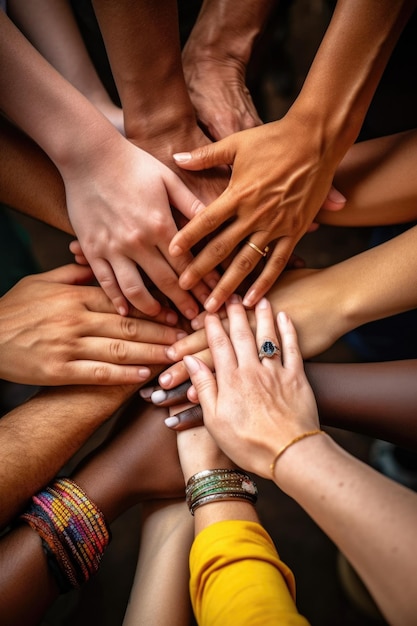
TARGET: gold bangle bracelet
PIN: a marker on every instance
(310, 433)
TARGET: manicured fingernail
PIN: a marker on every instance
(146, 392)
(263, 304)
(234, 299)
(122, 310)
(172, 421)
(165, 379)
(211, 305)
(191, 364)
(196, 324)
(144, 372)
(171, 353)
(182, 157)
(159, 396)
(212, 282)
(181, 334)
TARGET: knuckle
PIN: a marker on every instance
(129, 328)
(118, 351)
(101, 374)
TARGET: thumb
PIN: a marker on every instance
(334, 200)
(206, 157)
(203, 381)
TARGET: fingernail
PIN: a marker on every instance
(182, 157)
(171, 353)
(171, 318)
(213, 282)
(283, 317)
(146, 392)
(172, 421)
(234, 299)
(158, 396)
(165, 379)
(175, 251)
(249, 298)
(211, 305)
(144, 372)
(263, 304)
(191, 364)
(122, 311)
(335, 196)
(191, 313)
(181, 334)
(196, 324)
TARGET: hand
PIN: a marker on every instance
(57, 331)
(119, 207)
(253, 407)
(269, 206)
(219, 95)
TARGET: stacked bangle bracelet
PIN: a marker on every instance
(73, 531)
(219, 484)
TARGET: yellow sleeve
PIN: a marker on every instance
(237, 577)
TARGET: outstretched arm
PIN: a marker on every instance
(283, 170)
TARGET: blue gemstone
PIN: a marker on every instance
(268, 348)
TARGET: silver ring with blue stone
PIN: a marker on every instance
(268, 349)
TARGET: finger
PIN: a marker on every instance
(275, 264)
(130, 329)
(202, 225)
(241, 335)
(266, 334)
(203, 381)
(162, 397)
(208, 156)
(335, 201)
(188, 418)
(219, 248)
(291, 355)
(181, 197)
(245, 261)
(177, 373)
(107, 279)
(120, 352)
(88, 372)
(131, 283)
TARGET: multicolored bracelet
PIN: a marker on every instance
(73, 530)
(219, 484)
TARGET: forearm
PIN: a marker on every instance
(222, 33)
(29, 181)
(40, 436)
(370, 518)
(377, 178)
(43, 104)
(346, 71)
(150, 84)
(375, 399)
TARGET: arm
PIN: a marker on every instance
(122, 472)
(51, 27)
(339, 492)
(74, 335)
(215, 58)
(377, 178)
(158, 113)
(276, 204)
(104, 172)
(222, 582)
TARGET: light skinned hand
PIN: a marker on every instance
(57, 330)
(252, 408)
(119, 204)
(278, 184)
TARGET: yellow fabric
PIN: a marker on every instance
(237, 578)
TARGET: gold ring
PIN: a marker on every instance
(255, 247)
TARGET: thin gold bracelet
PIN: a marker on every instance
(310, 433)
